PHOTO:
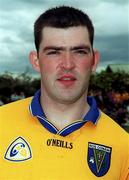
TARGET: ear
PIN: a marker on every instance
(95, 60)
(34, 61)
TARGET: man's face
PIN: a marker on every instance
(65, 62)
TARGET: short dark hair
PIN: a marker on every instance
(62, 17)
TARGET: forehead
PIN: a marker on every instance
(65, 36)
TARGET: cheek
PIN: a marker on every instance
(47, 68)
(85, 65)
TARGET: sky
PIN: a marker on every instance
(110, 19)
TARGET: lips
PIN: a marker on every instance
(67, 80)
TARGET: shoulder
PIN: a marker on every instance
(109, 126)
(15, 106)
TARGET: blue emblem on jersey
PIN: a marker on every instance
(98, 158)
(18, 150)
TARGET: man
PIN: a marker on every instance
(66, 136)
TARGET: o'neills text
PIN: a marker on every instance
(59, 143)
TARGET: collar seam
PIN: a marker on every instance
(52, 125)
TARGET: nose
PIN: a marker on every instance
(67, 61)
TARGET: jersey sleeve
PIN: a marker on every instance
(125, 167)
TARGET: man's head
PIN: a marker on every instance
(65, 57)
(62, 17)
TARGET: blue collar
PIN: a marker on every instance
(36, 110)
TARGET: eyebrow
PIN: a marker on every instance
(84, 47)
(53, 48)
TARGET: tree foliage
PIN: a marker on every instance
(106, 81)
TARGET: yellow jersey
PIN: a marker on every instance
(32, 148)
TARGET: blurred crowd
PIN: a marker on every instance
(113, 103)
(13, 97)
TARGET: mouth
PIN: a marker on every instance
(67, 80)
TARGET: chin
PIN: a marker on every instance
(67, 99)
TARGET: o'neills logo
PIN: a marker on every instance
(59, 143)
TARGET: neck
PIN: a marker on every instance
(61, 114)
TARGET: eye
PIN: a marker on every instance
(81, 51)
(53, 52)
